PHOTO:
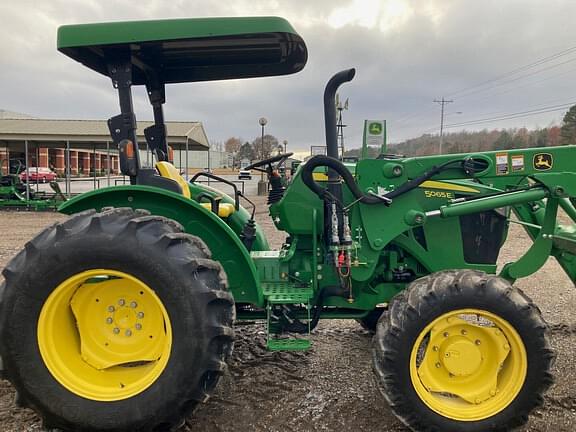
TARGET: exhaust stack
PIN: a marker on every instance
(330, 109)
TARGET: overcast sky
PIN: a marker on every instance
(407, 53)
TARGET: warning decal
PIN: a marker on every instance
(517, 163)
(502, 163)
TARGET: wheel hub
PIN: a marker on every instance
(468, 363)
(120, 309)
(104, 335)
(461, 357)
(125, 316)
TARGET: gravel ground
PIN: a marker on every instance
(329, 387)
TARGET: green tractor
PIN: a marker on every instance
(16, 194)
(121, 318)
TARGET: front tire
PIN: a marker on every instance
(370, 321)
(462, 351)
(115, 321)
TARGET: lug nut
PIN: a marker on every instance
(133, 305)
(435, 348)
(464, 332)
(477, 342)
(121, 302)
(111, 309)
(438, 365)
(140, 315)
(108, 320)
(446, 334)
(116, 330)
(128, 332)
(138, 326)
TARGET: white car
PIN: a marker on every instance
(244, 175)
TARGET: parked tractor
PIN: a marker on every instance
(11, 187)
(17, 194)
(121, 318)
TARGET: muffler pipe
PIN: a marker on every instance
(333, 187)
(330, 109)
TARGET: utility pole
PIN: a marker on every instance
(442, 103)
(339, 125)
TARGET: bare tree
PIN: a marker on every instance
(232, 145)
(264, 151)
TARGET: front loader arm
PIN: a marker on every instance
(531, 182)
(532, 217)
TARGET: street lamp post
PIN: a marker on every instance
(262, 184)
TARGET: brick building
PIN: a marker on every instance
(83, 145)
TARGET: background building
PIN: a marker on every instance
(86, 147)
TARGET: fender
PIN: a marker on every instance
(224, 244)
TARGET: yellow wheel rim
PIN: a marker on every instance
(104, 335)
(468, 365)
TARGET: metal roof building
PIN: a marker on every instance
(87, 133)
(84, 145)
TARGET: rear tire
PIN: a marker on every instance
(187, 293)
(445, 337)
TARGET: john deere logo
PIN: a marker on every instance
(543, 161)
(375, 128)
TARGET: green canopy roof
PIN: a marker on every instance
(187, 50)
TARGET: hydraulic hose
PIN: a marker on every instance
(324, 293)
(336, 165)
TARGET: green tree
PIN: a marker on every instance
(246, 151)
(568, 129)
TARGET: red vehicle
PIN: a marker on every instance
(41, 175)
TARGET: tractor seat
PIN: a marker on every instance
(166, 169)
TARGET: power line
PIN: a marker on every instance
(554, 101)
(519, 69)
(530, 83)
(509, 116)
(468, 91)
(520, 114)
(509, 90)
(517, 78)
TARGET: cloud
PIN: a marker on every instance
(407, 53)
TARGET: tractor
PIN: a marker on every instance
(121, 318)
(16, 194)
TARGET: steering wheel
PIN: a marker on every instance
(280, 159)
